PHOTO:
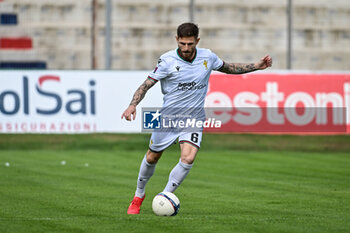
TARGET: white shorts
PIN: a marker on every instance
(162, 140)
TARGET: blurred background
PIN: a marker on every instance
(131, 35)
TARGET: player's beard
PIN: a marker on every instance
(188, 55)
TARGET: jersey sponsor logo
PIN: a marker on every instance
(190, 86)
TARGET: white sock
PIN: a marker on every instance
(146, 171)
(177, 175)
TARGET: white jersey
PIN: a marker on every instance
(185, 84)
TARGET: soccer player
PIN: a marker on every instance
(183, 74)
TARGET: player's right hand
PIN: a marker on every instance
(130, 111)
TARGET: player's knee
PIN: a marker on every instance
(188, 156)
(187, 159)
(152, 160)
(153, 157)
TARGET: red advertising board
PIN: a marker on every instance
(280, 103)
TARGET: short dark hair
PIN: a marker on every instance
(188, 30)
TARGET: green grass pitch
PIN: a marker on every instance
(239, 183)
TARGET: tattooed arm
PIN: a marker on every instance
(141, 91)
(239, 68)
(136, 99)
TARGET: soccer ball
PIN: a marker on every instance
(166, 204)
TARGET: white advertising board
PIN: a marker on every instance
(71, 101)
(93, 102)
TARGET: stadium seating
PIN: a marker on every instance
(13, 44)
(60, 32)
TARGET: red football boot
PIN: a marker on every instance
(134, 207)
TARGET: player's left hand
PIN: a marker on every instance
(264, 63)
